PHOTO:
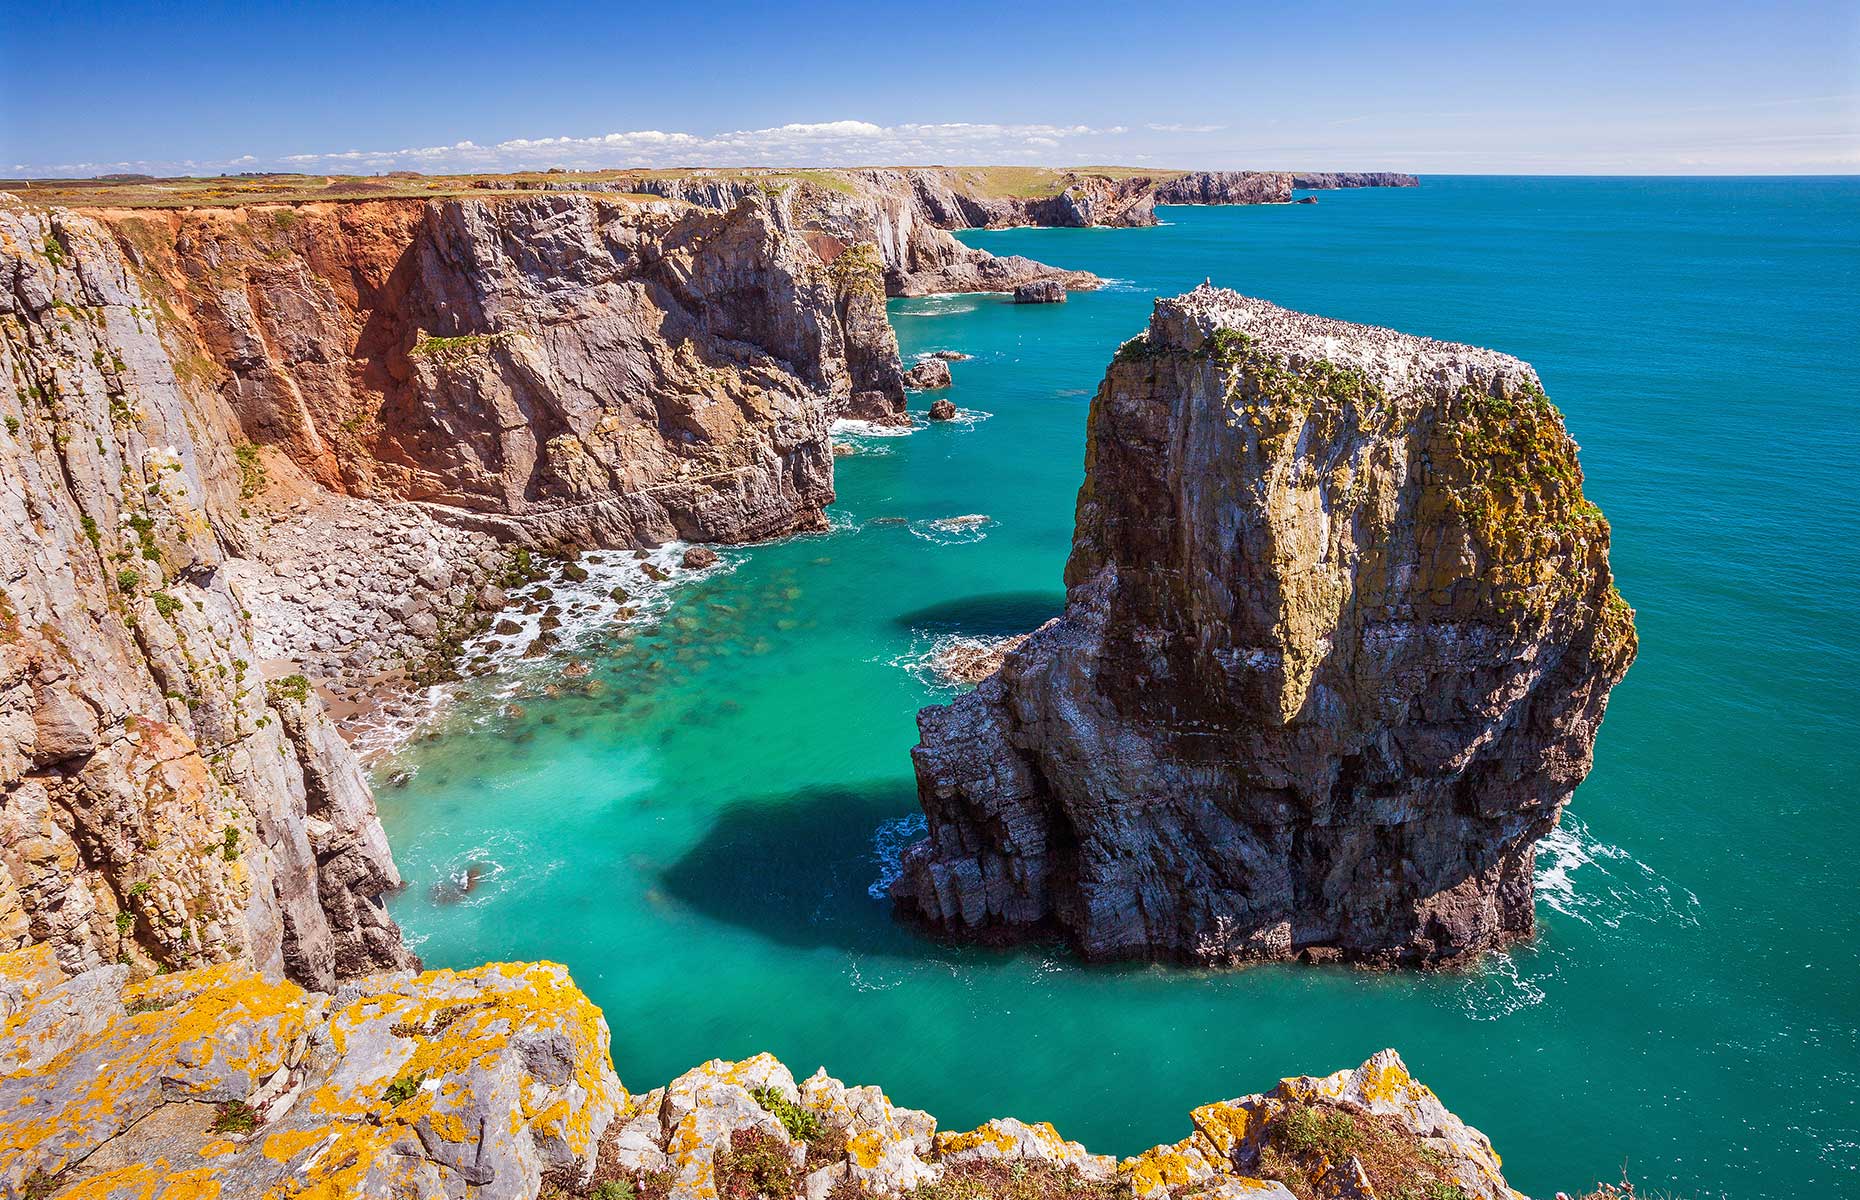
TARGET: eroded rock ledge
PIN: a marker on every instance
(1339, 636)
(496, 1084)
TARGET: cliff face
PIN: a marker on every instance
(161, 802)
(496, 1084)
(904, 214)
(564, 368)
(1321, 180)
(1227, 187)
(1339, 637)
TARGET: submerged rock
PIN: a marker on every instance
(497, 1083)
(1040, 291)
(1339, 635)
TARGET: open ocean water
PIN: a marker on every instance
(700, 834)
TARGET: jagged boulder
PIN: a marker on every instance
(1339, 636)
(928, 375)
(443, 1084)
(1041, 291)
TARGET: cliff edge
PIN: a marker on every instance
(496, 1084)
(1339, 635)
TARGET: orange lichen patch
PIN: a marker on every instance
(1161, 1168)
(1385, 1080)
(459, 1026)
(30, 970)
(866, 1148)
(227, 1029)
(147, 1181)
(1229, 1123)
(991, 1135)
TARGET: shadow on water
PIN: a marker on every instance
(796, 870)
(990, 614)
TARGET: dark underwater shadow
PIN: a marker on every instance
(991, 613)
(796, 870)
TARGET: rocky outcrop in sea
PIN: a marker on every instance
(1339, 636)
(497, 1084)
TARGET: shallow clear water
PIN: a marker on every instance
(697, 841)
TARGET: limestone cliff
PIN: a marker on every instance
(1339, 636)
(1227, 187)
(1320, 180)
(562, 368)
(496, 1084)
(162, 803)
(904, 214)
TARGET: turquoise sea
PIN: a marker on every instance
(698, 838)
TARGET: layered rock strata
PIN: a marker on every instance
(1340, 632)
(884, 209)
(497, 1084)
(1320, 180)
(163, 800)
(1226, 187)
(555, 368)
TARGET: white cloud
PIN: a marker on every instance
(801, 143)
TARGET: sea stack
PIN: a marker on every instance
(1339, 634)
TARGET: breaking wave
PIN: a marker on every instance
(1581, 877)
(951, 531)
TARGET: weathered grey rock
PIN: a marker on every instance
(1353, 179)
(1227, 187)
(928, 375)
(497, 1082)
(1339, 636)
(155, 806)
(1043, 291)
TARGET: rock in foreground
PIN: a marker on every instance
(1339, 636)
(496, 1084)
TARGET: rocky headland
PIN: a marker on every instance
(497, 1083)
(1322, 180)
(904, 210)
(1339, 635)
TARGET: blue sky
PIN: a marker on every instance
(474, 85)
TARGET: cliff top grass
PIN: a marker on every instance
(147, 191)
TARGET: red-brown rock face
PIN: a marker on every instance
(563, 368)
(1339, 637)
